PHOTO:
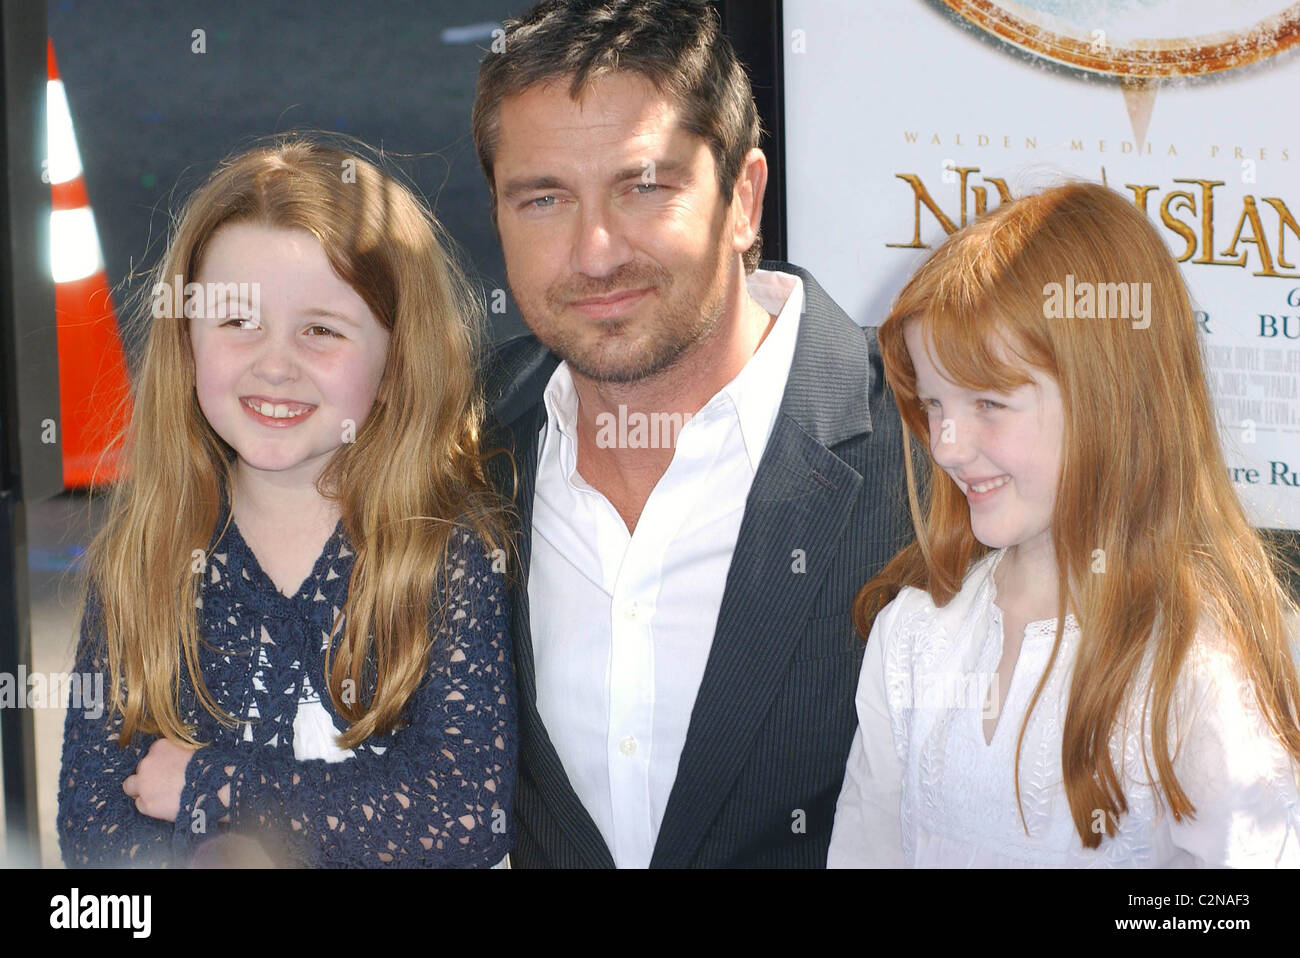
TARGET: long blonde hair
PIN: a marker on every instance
(1143, 477)
(413, 475)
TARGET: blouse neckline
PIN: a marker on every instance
(242, 559)
(1039, 628)
(305, 588)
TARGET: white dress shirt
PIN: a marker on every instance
(923, 789)
(622, 624)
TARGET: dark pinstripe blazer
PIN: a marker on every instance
(770, 731)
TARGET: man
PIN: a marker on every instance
(708, 466)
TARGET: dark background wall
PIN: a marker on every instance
(153, 118)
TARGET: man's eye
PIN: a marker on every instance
(542, 202)
(645, 189)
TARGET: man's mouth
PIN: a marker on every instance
(613, 304)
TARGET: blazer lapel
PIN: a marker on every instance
(801, 499)
(544, 762)
(525, 453)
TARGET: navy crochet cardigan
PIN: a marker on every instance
(435, 793)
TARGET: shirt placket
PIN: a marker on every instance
(633, 573)
(631, 696)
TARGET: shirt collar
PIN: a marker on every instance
(561, 399)
(757, 389)
(755, 393)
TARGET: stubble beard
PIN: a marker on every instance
(677, 325)
(676, 330)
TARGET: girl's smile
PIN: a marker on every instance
(277, 413)
(286, 387)
(1003, 450)
(983, 489)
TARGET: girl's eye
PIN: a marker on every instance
(927, 404)
(237, 319)
(326, 330)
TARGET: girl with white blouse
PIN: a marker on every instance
(1083, 659)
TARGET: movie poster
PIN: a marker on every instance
(904, 119)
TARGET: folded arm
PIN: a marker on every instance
(98, 823)
(433, 794)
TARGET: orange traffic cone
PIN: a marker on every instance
(93, 381)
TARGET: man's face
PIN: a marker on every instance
(616, 240)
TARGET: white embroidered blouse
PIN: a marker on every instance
(923, 788)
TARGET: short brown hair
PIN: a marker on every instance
(678, 45)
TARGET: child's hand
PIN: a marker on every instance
(159, 779)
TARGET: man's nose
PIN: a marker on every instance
(599, 247)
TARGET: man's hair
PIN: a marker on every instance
(677, 45)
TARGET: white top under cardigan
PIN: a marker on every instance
(923, 789)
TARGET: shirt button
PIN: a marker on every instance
(631, 610)
(628, 745)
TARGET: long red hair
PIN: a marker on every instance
(1143, 477)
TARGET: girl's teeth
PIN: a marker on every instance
(988, 486)
(277, 411)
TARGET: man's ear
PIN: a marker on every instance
(747, 199)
